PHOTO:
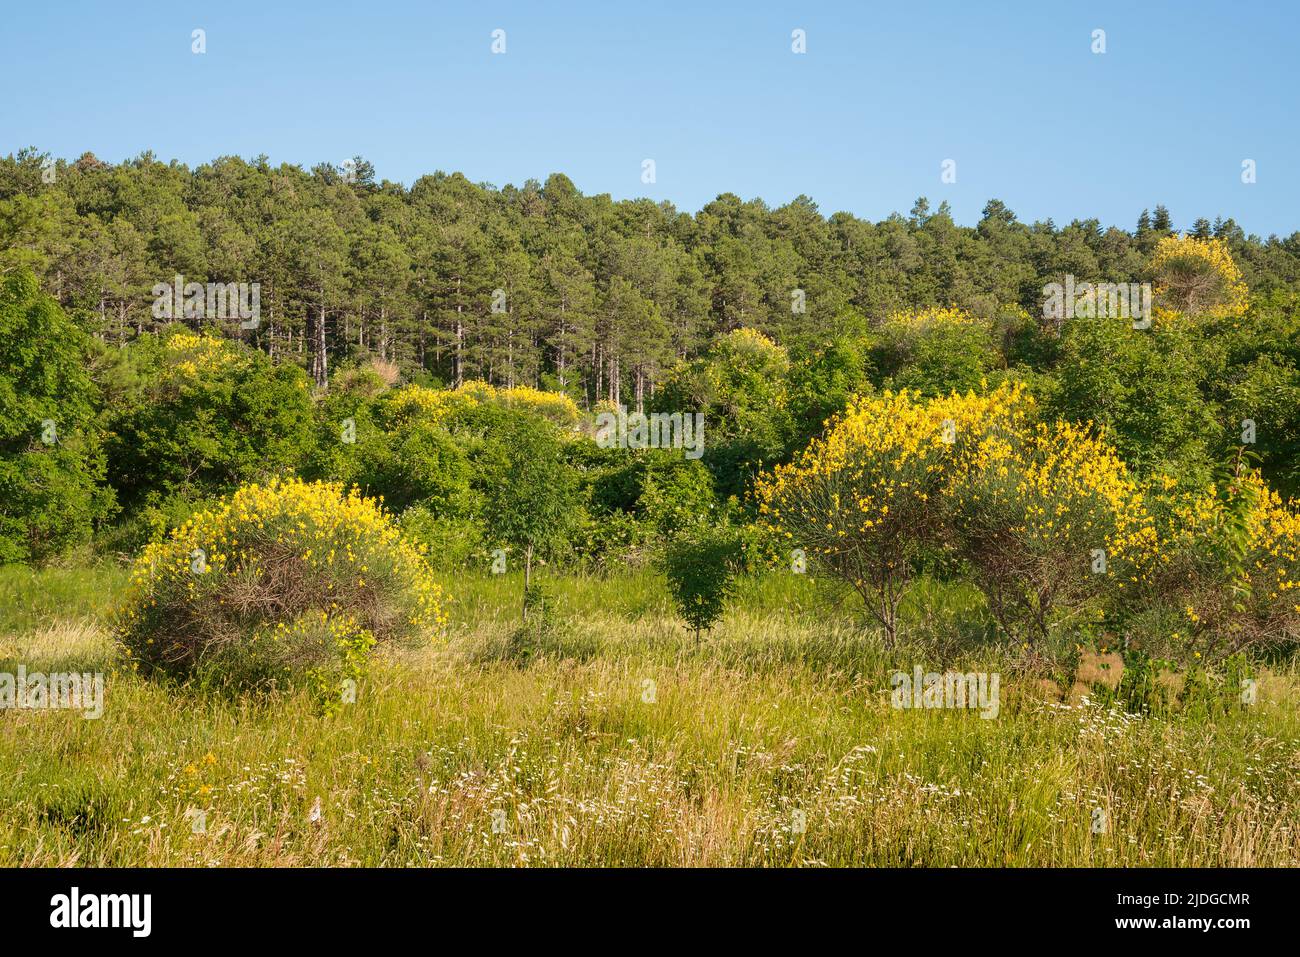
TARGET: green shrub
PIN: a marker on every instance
(448, 544)
(821, 384)
(742, 389)
(935, 352)
(611, 540)
(659, 487)
(1141, 388)
(50, 500)
(419, 463)
(701, 569)
(394, 451)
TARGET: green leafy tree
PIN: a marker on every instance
(742, 389)
(1143, 388)
(51, 462)
(531, 498)
(212, 414)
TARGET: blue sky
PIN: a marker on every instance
(710, 91)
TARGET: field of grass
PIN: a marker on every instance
(616, 739)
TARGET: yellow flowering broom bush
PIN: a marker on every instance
(862, 500)
(284, 579)
(439, 405)
(934, 317)
(1198, 276)
(190, 356)
(1229, 563)
(1046, 521)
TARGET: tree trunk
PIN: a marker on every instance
(460, 338)
(528, 576)
(320, 357)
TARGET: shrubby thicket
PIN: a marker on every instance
(907, 413)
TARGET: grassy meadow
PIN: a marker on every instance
(614, 738)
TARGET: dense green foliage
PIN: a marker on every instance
(206, 418)
(51, 465)
(700, 566)
(443, 349)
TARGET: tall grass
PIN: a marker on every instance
(32, 598)
(619, 741)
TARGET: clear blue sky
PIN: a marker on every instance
(710, 91)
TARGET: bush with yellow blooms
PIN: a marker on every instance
(278, 581)
(1047, 521)
(1229, 564)
(863, 499)
(1198, 276)
(440, 405)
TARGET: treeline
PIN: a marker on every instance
(537, 285)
